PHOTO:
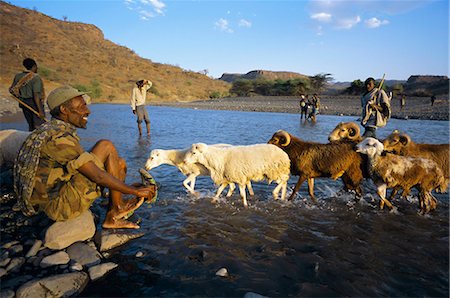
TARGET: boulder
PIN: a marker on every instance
(84, 254)
(109, 239)
(98, 271)
(64, 285)
(59, 258)
(64, 233)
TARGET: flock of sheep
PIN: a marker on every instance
(397, 162)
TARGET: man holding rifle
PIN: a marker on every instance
(376, 107)
(28, 89)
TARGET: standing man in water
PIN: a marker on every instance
(28, 87)
(54, 174)
(138, 97)
(376, 108)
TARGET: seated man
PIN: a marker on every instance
(54, 174)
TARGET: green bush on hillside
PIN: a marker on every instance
(94, 89)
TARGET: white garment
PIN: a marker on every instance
(138, 96)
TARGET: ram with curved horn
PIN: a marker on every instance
(346, 131)
(311, 160)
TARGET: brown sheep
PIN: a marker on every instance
(401, 144)
(346, 131)
(392, 170)
(311, 160)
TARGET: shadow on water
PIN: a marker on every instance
(337, 247)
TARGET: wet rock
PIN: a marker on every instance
(16, 249)
(109, 239)
(15, 264)
(62, 234)
(3, 272)
(7, 294)
(84, 254)
(139, 254)
(223, 272)
(4, 262)
(64, 285)
(10, 244)
(76, 267)
(4, 256)
(58, 258)
(34, 249)
(98, 271)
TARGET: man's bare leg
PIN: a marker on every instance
(140, 129)
(148, 128)
(116, 166)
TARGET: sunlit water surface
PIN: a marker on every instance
(337, 247)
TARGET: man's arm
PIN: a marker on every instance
(103, 178)
(133, 100)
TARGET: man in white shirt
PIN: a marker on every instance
(138, 98)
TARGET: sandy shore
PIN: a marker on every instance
(416, 107)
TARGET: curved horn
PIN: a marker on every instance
(405, 139)
(356, 129)
(286, 135)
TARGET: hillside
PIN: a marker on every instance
(78, 54)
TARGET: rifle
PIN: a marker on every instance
(30, 108)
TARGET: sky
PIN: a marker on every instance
(348, 39)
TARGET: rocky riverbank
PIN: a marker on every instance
(40, 258)
(415, 108)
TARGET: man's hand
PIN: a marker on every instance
(146, 191)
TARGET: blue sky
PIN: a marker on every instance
(349, 39)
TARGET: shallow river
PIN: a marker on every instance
(337, 247)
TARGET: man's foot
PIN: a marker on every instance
(119, 224)
(128, 207)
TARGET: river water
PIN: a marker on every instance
(337, 247)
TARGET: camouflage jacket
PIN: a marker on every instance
(49, 157)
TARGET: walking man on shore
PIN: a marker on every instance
(27, 86)
(54, 174)
(138, 97)
(376, 108)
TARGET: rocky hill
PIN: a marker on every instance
(261, 74)
(78, 54)
(427, 85)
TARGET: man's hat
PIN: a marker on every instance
(60, 95)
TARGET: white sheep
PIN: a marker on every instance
(242, 164)
(10, 142)
(176, 158)
(392, 170)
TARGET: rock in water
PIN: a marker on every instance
(98, 271)
(223, 272)
(111, 240)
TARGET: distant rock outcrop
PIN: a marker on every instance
(261, 74)
(427, 85)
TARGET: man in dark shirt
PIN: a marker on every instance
(31, 92)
